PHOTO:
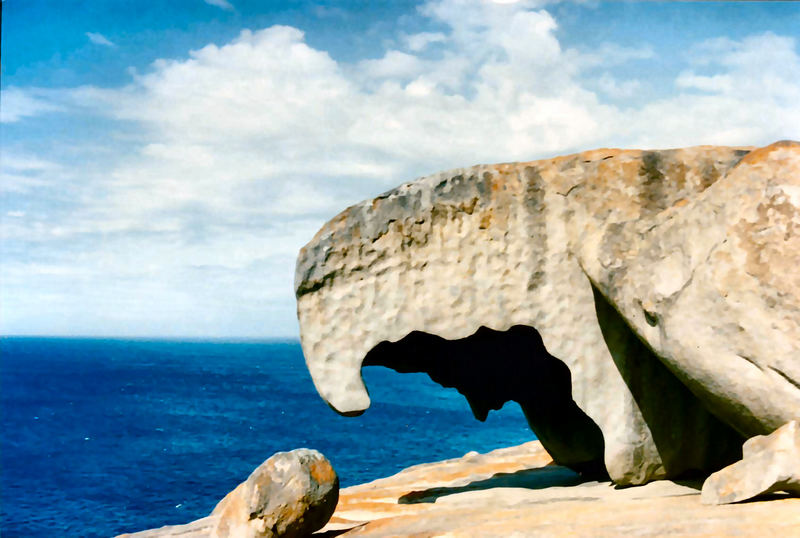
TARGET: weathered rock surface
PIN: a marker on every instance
(518, 491)
(770, 463)
(292, 494)
(713, 287)
(653, 292)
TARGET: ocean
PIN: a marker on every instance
(104, 436)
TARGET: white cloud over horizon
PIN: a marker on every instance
(233, 157)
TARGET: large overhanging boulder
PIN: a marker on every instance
(713, 287)
(624, 298)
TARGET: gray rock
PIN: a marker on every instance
(607, 291)
(770, 463)
(292, 494)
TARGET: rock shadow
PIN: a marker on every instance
(491, 368)
(690, 440)
(539, 478)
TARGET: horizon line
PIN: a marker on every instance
(152, 337)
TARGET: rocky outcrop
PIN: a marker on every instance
(647, 299)
(713, 287)
(519, 491)
(770, 463)
(291, 495)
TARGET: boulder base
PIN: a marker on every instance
(770, 463)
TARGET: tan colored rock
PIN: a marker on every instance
(770, 463)
(713, 287)
(562, 247)
(518, 491)
(290, 495)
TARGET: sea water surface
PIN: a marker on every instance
(101, 436)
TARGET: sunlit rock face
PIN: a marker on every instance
(593, 289)
(770, 463)
(713, 287)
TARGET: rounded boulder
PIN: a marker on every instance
(292, 494)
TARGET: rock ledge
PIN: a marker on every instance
(519, 491)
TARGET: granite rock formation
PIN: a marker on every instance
(290, 495)
(770, 463)
(713, 287)
(519, 491)
(649, 300)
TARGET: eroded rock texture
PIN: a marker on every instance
(648, 288)
(713, 287)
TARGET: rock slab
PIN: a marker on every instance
(290, 495)
(519, 491)
(770, 463)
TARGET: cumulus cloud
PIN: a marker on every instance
(737, 92)
(761, 67)
(99, 39)
(235, 155)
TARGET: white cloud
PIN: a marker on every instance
(26, 163)
(99, 39)
(762, 68)
(24, 173)
(394, 64)
(224, 4)
(18, 103)
(238, 153)
(420, 41)
(748, 94)
(618, 89)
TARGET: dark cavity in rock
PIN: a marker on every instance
(491, 368)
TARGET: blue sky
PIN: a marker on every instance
(162, 162)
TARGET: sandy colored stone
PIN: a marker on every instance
(713, 287)
(770, 463)
(597, 252)
(290, 495)
(520, 492)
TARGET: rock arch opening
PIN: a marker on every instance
(490, 368)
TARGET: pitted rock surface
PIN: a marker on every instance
(713, 287)
(598, 252)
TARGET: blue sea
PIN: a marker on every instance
(102, 436)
